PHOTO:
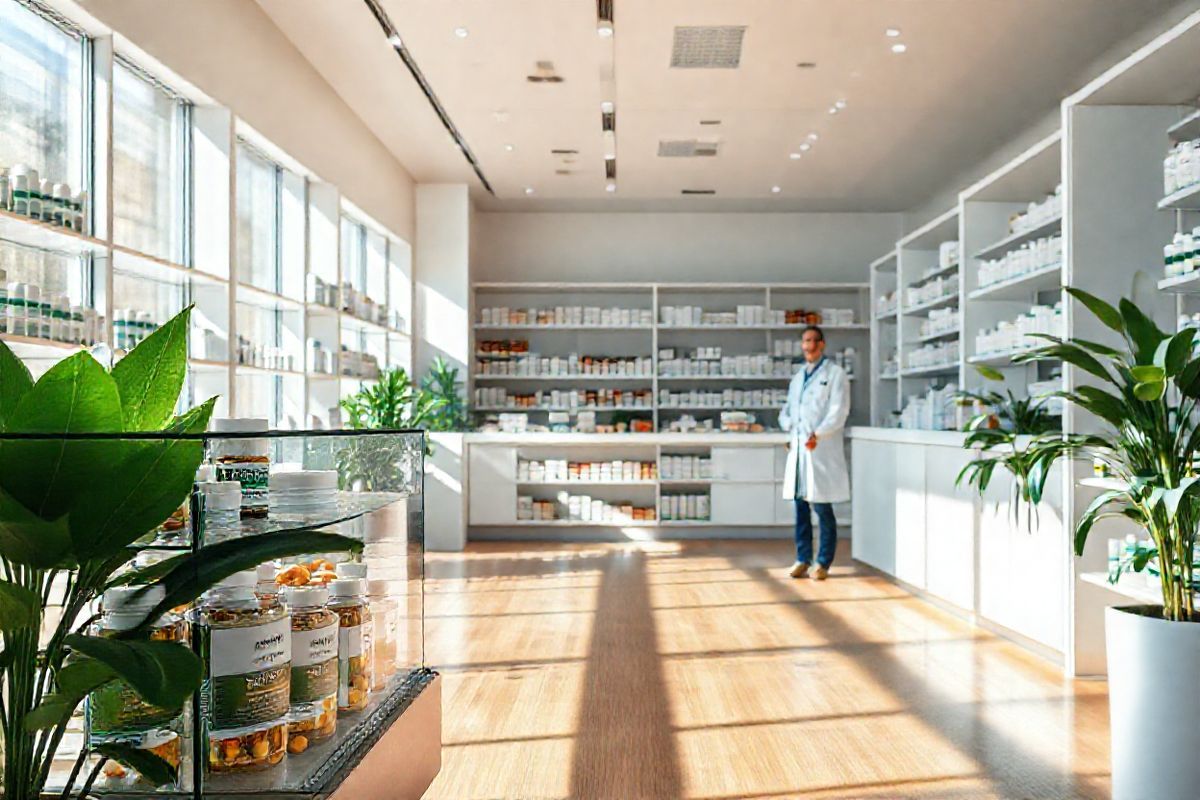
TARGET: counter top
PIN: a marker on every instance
(748, 439)
(942, 438)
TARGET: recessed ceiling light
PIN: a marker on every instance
(776, 189)
(528, 190)
(892, 33)
(395, 41)
(606, 107)
(833, 109)
(795, 156)
(806, 147)
(812, 137)
(461, 32)
(509, 148)
(899, 47)
(840, 104)
(605, 28)
(611, 186)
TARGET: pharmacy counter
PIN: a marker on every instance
(642, 486)
(1009, 572)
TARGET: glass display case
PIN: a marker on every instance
(308, 660)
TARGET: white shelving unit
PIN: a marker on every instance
(649, 340)
(104, 274)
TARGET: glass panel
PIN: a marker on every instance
(257, 221)
(293, 199)
(352, 254)
(147, 166)
(399, 285)
(41, 96)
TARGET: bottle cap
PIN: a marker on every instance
(347, 587)
(311, 595)
(265, 572)
(350, 569)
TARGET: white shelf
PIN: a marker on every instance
(23, 231)
(650, 483)
(1186, 129)
(522, 409)
(1015, 240)
(999, 358)
(140, 265)
(718, 408)
(480, 326)
(267, 300)
(937, 273)
(1104, 483)
(889, 376)
(208, 365)
(724, 377)
(800, 327)
(1134, 586)
(936, 369)
(1185, 199)
(570, 523)
(1021, 287)
(570, 378)
(247, 369)
(887, 316)
(930, 305)
(32, 343)
(1188, 283)
(933, 337)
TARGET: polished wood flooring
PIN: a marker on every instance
(700, 670)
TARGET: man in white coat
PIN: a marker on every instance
(818, 403)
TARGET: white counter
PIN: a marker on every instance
(913, 522)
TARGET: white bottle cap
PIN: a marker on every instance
(222, 495)
(265, 572)
(350, 569)
(347, 587)
(312, 595)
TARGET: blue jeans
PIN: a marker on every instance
(804, 533)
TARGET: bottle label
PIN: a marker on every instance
(249, 674)
(115, 708)
(314, 664)
(253, 477)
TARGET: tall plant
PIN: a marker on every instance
(1009, 431)
(71, 508)
(441, 383)
(1147, 393)
(384, 464)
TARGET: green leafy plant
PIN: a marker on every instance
(1146, 392)
(1008, 431)
(441, 383)
(384, 464)
(82, 478)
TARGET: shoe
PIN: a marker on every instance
(820, 573)
(798, 570)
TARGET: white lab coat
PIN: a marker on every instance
(818, 475)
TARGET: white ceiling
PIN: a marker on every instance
(976, 73)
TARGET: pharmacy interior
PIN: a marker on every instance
(338, 340)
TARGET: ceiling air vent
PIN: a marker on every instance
(707, 47)
(543, 72)
(697, 191)
(687, 148)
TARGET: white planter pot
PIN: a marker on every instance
(1154, 706)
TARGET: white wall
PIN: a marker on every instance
(441, 262)
(231, 51)
(679, 247)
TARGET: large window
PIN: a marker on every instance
(148, 165)
(41, 95)
(258, 201)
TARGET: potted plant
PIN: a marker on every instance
(446, 521)
(1146, 392)
(70, 509)
(1009, 430)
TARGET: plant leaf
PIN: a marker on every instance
(990, 373)
(15, 381)
(144, 482)
(75, 396)
(1100, 309)
(1104, 405)
(26, 538)
(82, 675)
(200, 571)
(1143, 333)
(163, 674)
(1149, 392)
(19, 607)
(1172, 354)
(55, 709)
(1089, 517)
(1069, 352)
(153, 768)
(1148, 374)
(150, 377)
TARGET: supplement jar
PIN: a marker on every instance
(314, 691)
(348, 599)
(246, 460)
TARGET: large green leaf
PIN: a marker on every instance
(1149, 392)
(1100, 309)
(200, 571)
(1172, 354)
(75, 396)
(82, 675)
(26, 538)
(1104, 405)
(1070, 353)
(1188, 379)
(1143, 333)
(19, 607)
(150, 377)
(145, 481)
(15, 381)
(163, 674)
(1148, 374)
(154, 769)
(54, 710)
(989, 372)
(1090, 516)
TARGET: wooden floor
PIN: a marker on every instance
(701, 670)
